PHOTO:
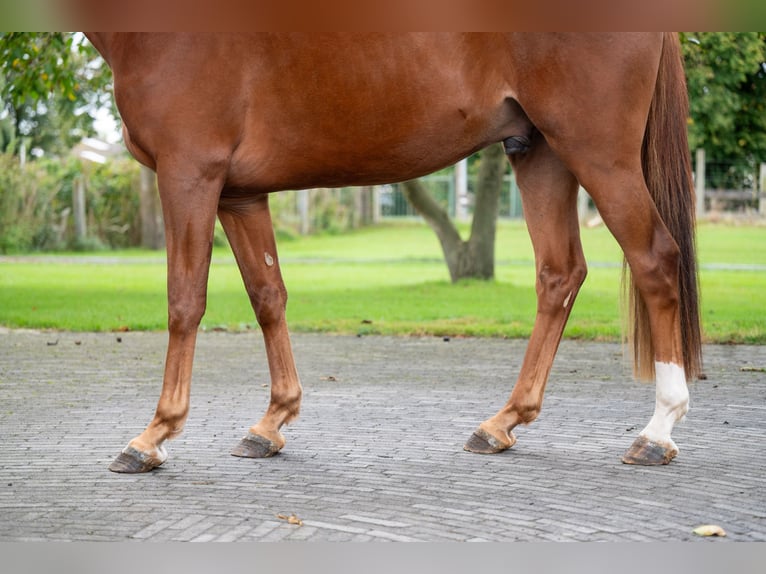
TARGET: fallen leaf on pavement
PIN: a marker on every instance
(709, 530)
(292, 519)
(753, 369)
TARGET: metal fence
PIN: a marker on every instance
(392, 203)
(336, 209)
(729, 187)
(720, 187)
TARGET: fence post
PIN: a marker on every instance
(364, 205)
(303, 210)
(762, 189)
(699, 181)
(78, 208)
(461, 190)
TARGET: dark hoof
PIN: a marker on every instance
(648, 453)
(481, 442)
(132, 461)
(255, 446)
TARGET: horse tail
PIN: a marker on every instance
(667, 171)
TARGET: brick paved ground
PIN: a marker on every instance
(377, 453)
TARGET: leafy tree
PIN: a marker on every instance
(49, 83)
(726, 78)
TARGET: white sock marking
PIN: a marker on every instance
(672, 403)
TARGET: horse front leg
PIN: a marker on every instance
(189, 207)
(549, 196)
(248, 226)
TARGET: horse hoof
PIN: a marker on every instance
(132, 461)
(255, 446)
(481, 442)
(647, 453)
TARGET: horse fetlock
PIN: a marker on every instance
(285, 406)
(175, 432)
(169, 421)
(524, 412)
(678, 412)
(672, 397)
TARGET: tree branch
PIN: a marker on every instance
(438, 219)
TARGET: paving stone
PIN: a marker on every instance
(377, 453)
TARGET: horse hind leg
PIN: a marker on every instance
(248, 226)
(549, 196)
(654, 264)
(653, 256)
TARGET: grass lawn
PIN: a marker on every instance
(388, 279)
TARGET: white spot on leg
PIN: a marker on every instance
(672, 403)
(566, 301)
(268, 258)
(161, 453)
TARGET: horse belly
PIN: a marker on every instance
(356, 159)
(322, 120)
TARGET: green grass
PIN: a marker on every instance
(388, 279)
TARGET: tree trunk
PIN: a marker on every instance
(152, 228)
(474, 258)
(488, 188)
(452, 245)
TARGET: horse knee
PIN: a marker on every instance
(269, 302)
(185, 315)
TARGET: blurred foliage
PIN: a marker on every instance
(726, 78)
(36, 204)
(50, 85)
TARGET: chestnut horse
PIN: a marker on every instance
(226, 119)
